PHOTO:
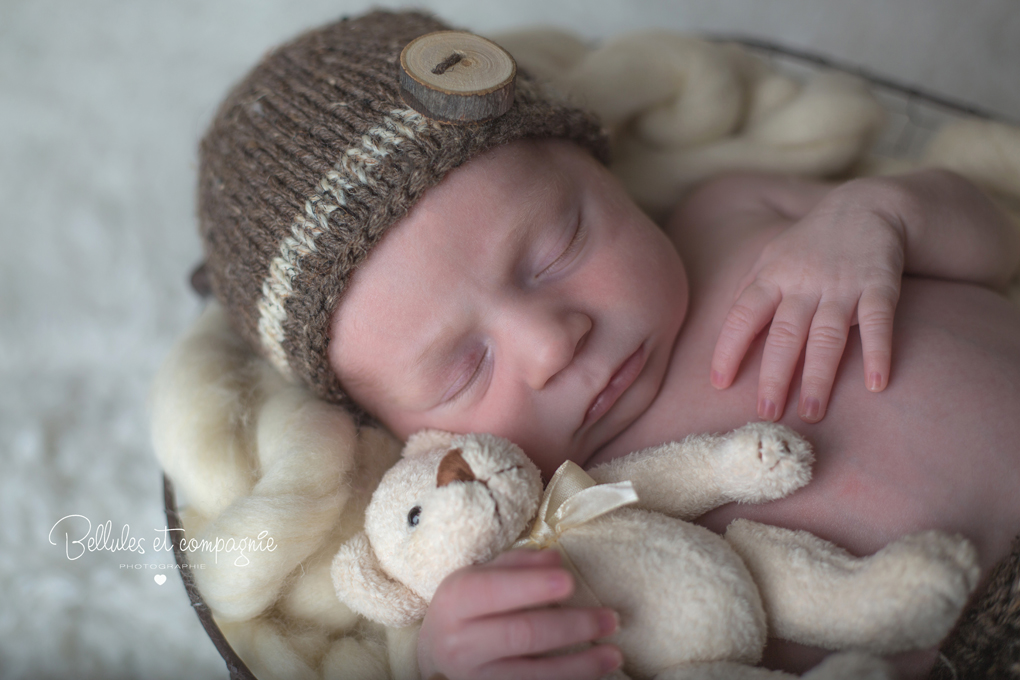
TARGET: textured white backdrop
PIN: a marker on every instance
(101, 105)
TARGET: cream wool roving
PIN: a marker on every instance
(252, 453)
(682, 109)
(216, 401)
(241, 491)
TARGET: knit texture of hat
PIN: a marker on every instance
(308, 162)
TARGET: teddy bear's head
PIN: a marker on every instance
(451, 501)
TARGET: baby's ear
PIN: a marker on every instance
(424, 441)
(363, 586)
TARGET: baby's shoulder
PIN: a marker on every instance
(725, 217)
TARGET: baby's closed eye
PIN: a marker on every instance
(468, 374)
(577, 238)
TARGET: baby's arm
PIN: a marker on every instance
(492, 620)
(753, 464)
(840, 263)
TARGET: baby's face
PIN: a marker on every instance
(524, 296)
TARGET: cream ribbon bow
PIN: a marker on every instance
(571, 499)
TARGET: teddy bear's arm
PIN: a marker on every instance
(755, 463)
(363, 585)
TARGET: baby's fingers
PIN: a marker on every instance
(875, 313)
(524, 557)
(590, 664)
(478, 592)
(825, 346)
(749, 314)
(526, 633)
(783, 347)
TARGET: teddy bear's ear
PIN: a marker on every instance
(427, 440)
(363, 586)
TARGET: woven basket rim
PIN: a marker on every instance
(235, 666)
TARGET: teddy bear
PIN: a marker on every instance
(691, 603)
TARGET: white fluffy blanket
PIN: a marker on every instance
(255, 458)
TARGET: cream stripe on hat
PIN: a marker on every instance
(356, 164)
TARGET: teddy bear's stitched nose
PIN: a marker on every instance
(453, 468)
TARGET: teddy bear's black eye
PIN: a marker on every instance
(412, 517)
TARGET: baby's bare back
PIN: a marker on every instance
(939, 448)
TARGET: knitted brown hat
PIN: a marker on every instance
(308, 162)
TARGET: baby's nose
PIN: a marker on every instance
(552, 345)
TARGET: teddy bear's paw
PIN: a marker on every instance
(766, 461)
(945, 564)
(957, 555)
(943, 567)
(916, 588)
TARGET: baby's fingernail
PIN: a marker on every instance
(609, 621)
(767, 410)
(812, 408)
(717, 378)
(559, 582)
(611, 659)
(875, 381)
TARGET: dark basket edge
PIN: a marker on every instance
(235, 666)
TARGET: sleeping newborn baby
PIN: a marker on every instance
(526, 296)
(496, 278)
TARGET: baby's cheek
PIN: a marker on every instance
(658, 277)
(497, 413)
(401, 423)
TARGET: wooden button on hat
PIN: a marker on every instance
(457, 77)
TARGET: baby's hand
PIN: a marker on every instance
(491, 620)
(842, 264)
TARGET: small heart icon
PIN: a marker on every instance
(160, 579)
